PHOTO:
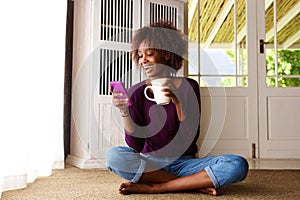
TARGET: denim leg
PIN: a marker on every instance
(228, 169)
(125, 162)
(222, 170)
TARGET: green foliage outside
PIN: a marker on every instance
(242, 81)
(288, 64)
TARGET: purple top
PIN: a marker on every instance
(157, 128)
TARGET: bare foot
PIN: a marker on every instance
(143, 188)
(130, 188)
(210, 191)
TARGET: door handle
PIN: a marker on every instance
(262, 45)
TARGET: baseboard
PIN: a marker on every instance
(280, 164)
(83, 163)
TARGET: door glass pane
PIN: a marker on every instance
(282, 43)
(217, 33)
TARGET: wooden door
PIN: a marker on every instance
(279, 84)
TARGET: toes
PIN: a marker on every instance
(123, 188)
(214, 192)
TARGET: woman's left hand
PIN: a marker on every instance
(170, 90)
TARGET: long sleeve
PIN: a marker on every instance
(157, 129)
(188, 131)
(136, 140)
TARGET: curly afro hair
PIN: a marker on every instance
(164, 37)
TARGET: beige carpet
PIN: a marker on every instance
(73, 183)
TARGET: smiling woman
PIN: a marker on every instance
(160, 156)
(31, 76)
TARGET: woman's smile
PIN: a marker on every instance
(148, 66)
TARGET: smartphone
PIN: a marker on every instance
(117, 86)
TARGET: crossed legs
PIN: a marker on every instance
(204, 175)
(161, 182)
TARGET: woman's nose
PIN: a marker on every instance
(143, 60)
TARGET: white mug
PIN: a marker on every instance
(159, 96)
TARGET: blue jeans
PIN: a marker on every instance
(222, 170)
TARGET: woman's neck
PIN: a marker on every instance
(164, 75)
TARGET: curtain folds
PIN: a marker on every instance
(32, 53)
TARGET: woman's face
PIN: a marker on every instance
(153, 62)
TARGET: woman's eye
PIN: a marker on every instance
(149, 53)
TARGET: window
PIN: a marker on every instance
(220, 59)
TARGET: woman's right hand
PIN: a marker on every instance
(120, 103)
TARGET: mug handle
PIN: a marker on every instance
(145, 93)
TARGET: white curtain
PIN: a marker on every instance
(32, 49)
